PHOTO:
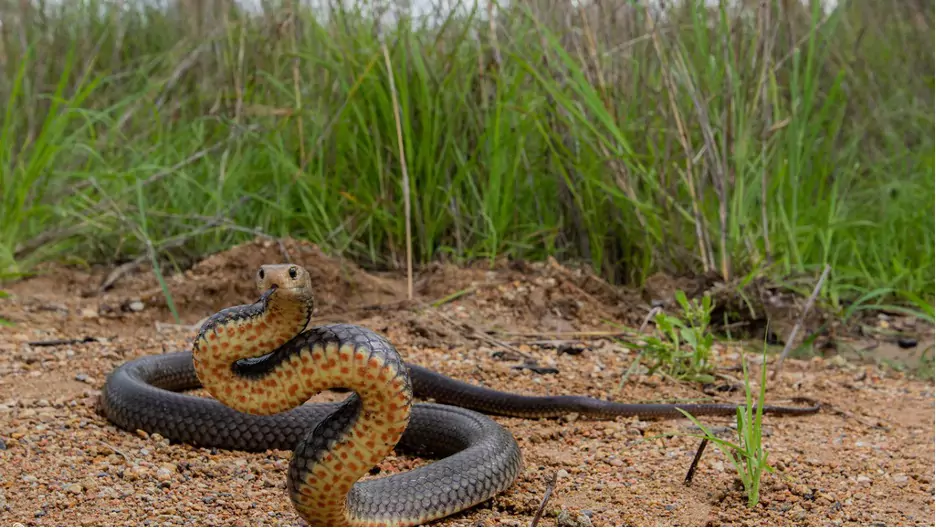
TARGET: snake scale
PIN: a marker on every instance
(261, 366)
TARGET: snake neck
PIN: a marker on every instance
(243, 333)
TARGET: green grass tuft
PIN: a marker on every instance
(747, 455)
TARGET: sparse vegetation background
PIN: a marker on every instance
(755, 137)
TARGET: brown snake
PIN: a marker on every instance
(262, 366)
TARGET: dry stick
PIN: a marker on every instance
(764, 22)
(597, 334)
(298, 98)
(695, 462)
(239, 79)
(477, 334)
(59, 342)
(653, 311)
(406, 185)
(492, 23)
(799, 321)
(550, 486)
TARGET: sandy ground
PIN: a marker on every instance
(866, 459)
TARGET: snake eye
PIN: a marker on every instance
(261, 274)
(293, 273)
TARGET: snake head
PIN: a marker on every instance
(286, 280)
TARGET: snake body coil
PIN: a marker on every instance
(262, 367)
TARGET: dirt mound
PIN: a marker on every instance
(227, 278)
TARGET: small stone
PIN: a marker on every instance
(803, 490)
(863, 478)
(74, 488)
(562, 474)
(565, 518)
(163, 475)
(136, 306)
(900, 479)
(616, 462)
(88, 313)
(2, 445)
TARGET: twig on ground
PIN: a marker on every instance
(452, 297)
(799, 321)
(477, 334)
(115, 450)
(57, 342)
(536, 368)
(549, 343)
(594, 334)
(162, 327)
(695, 462)
(653, 311)
(550, 486)
(120, 271)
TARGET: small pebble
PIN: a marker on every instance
(74, 488)
(2, 445)
(136, 306)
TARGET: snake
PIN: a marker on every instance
(260, 365)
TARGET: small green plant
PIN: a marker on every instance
(747, 455)
(684, 350)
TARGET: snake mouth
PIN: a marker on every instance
(275, 287)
